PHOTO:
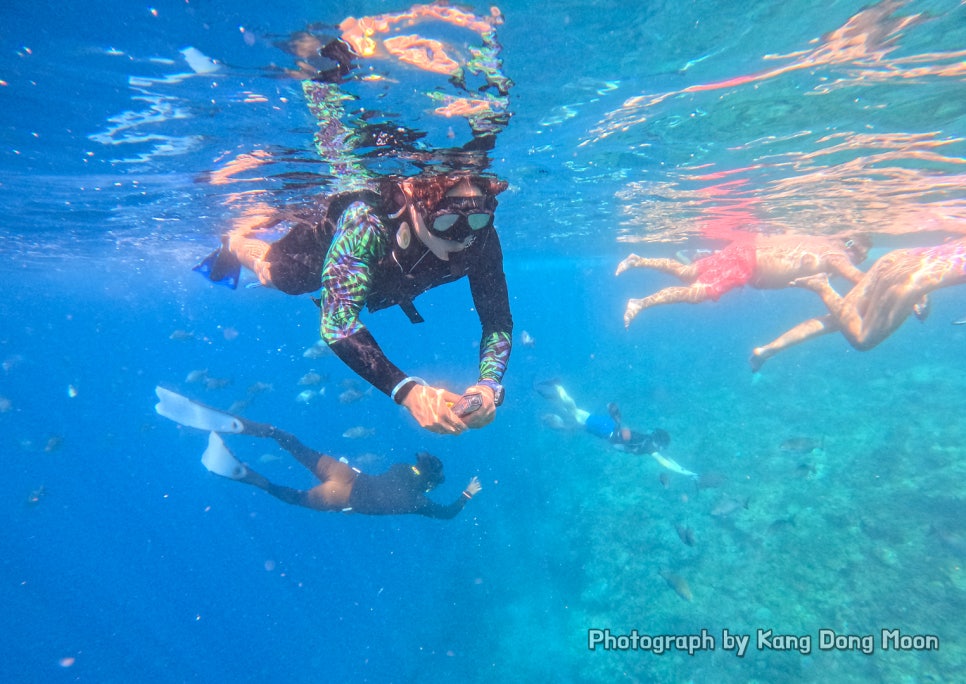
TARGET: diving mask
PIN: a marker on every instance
(457, 217)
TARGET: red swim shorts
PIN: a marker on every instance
(727, 269)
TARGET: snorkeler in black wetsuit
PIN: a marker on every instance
(400, 490)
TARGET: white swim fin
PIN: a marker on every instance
(220, 461)
(186, 412)
(673, 465)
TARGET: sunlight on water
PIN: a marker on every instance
(849, 129)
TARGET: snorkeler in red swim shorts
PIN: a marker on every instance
(765, 263)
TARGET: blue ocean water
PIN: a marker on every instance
(645, 128)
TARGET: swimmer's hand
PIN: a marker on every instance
(485, 414)
(430, 406)
(473, 488)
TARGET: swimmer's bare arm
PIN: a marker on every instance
(841, 265)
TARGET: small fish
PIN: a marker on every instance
(217, 383)
(317, 350)
(350, 396)
(665, 480)
(181, 335)
(238, 406)
(310, 378)
(53, 444)
(961, 321)
(672, 465)
(259, 387)
(36, 495)
(727, 505)
(678, 583)
(686, 534)
(802, 445)
(358, 432)
(196, 375)
(269, 458)
(781, 525)
(526, 339)
(305, 396)
(5, 404)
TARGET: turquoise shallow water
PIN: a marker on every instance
(646, 128)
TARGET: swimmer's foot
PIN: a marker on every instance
(634, 307)
(632, 261)
(757, 359)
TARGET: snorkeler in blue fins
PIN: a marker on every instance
(221, 267)
(400, 490)
(609, 427)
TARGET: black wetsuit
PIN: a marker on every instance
(398, 491)
(393, 493)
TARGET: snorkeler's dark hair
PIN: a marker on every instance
(428, 189)
(430, 469)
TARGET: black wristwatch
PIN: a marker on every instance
(497, 388)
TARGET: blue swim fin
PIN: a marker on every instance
(221, 267)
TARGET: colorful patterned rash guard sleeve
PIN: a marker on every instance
(492, 302)
(358, 244)
(346, 273)
(494, 355)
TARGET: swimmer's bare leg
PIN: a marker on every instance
(251, 252)
(843, 309)
(806, 330)
(564, 401)
(820, 285)
(693, 294)
(685, 272)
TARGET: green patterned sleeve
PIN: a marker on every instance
(347, 272)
